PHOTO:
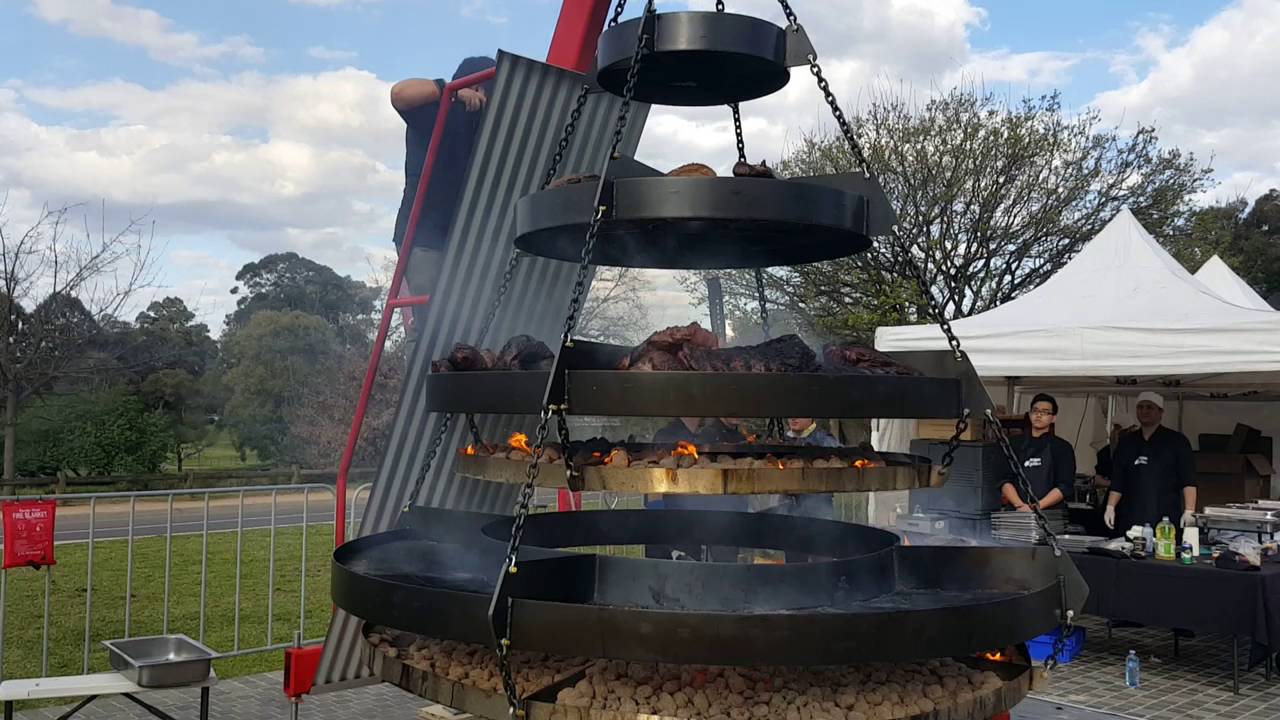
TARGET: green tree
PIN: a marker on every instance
(285, 282)
(100, 433)
(178, 398)
(270, 360)
(1246, 236)
(57, 289)
(991, 197)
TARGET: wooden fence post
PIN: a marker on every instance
(296, 477)
(61, 486)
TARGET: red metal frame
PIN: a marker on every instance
(572, 46)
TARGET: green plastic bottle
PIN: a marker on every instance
(1166, 540)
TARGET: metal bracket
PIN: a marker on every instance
(799, 47)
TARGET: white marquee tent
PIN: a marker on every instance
(1121, 317)
(1222, 280)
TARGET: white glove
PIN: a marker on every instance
(1109, 517)
(1188, 519)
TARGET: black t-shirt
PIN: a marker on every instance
(1102, 466)
(1048, 462)
(1149, 474)
(456, 148)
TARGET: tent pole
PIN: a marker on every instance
(1182, 407)
(1008, 395)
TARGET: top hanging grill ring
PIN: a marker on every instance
(701, 58)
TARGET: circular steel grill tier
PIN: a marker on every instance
(697, 59)
(695, 223)
(435, 574)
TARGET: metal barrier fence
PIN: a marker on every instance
(261, 510)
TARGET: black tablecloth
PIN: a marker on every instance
(1197, 597)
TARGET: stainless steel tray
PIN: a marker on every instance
(1242, 511)
(161, 660)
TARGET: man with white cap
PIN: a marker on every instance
(1153, 474)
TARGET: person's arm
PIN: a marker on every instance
(407, 95)
(1012, 497)
(1064, 474)
(1051, 498)
(1187, 477)
(1118, 481)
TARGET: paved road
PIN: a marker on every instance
(111, 519)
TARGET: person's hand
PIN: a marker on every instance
(470, 98)
(1023, 508)
(1188, 519)
(1109, 517)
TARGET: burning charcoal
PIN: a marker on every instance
(465, 358)
(854, 358)
(686, 461)
(517, 455)
(724, 460)
(794, 462)
(669, 462)
(703, 461)
(523, 352)
(783, 354)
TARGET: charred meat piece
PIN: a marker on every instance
(573, 180)
(854, 358)
(692, 170)
(465, 357)
(653, 359)
(671, 341)
(783, 354)
(524, 352)
(441, 365)
(746, 169)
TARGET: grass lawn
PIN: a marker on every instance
(25, 599)
(218, 454)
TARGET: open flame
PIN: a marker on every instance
(471, 450)
(685, 448)
(779, 465)
(995, 656)
(520, 441)
(752, 439)
(616, 455)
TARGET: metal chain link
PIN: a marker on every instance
(719, 5)
(816, 70)
(737, 133)
(617, 12)
(426, 461)
(475, 431)
(509, 566)
(513, 261)
(764, 303)
(562, 428)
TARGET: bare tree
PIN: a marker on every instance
(992, 198)
(614, 311)
(59, 286)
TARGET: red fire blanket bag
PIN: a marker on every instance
(28, 532)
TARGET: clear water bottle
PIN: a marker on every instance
(1132, 669)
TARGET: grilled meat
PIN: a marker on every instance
(859, 359)
(783, 354)
(524, 352)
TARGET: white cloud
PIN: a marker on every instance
(482, 10)
(1213, 92)
(143, 28)
(321, 52)
(266, 163)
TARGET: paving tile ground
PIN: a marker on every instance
(252, 697)
(1196, 685)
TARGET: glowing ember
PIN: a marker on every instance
(862, 462)
(471, 450)
(617, 455)
(520, 441)
(752, 439)
(996, 656)
(779, 464)
(685, 448)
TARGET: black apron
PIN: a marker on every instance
(1151, 490)
(1037, 466)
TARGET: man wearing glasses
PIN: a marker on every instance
(1048, 461)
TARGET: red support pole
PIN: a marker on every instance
(406, 245)
(573, 46)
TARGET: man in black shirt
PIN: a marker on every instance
(1048, 461)
(418, 101)
(1152, 473)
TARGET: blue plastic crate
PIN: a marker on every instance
(1042, 647)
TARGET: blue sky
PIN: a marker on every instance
(248, 126)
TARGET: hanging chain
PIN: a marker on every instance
(570, 470)
(509, 566)
(719, 5)
(475, 431)
(764, 303)
(513, 261)
(617, 12)
(426, 461)
(737, 133)
(816, 70)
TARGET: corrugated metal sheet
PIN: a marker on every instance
(523, 121)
